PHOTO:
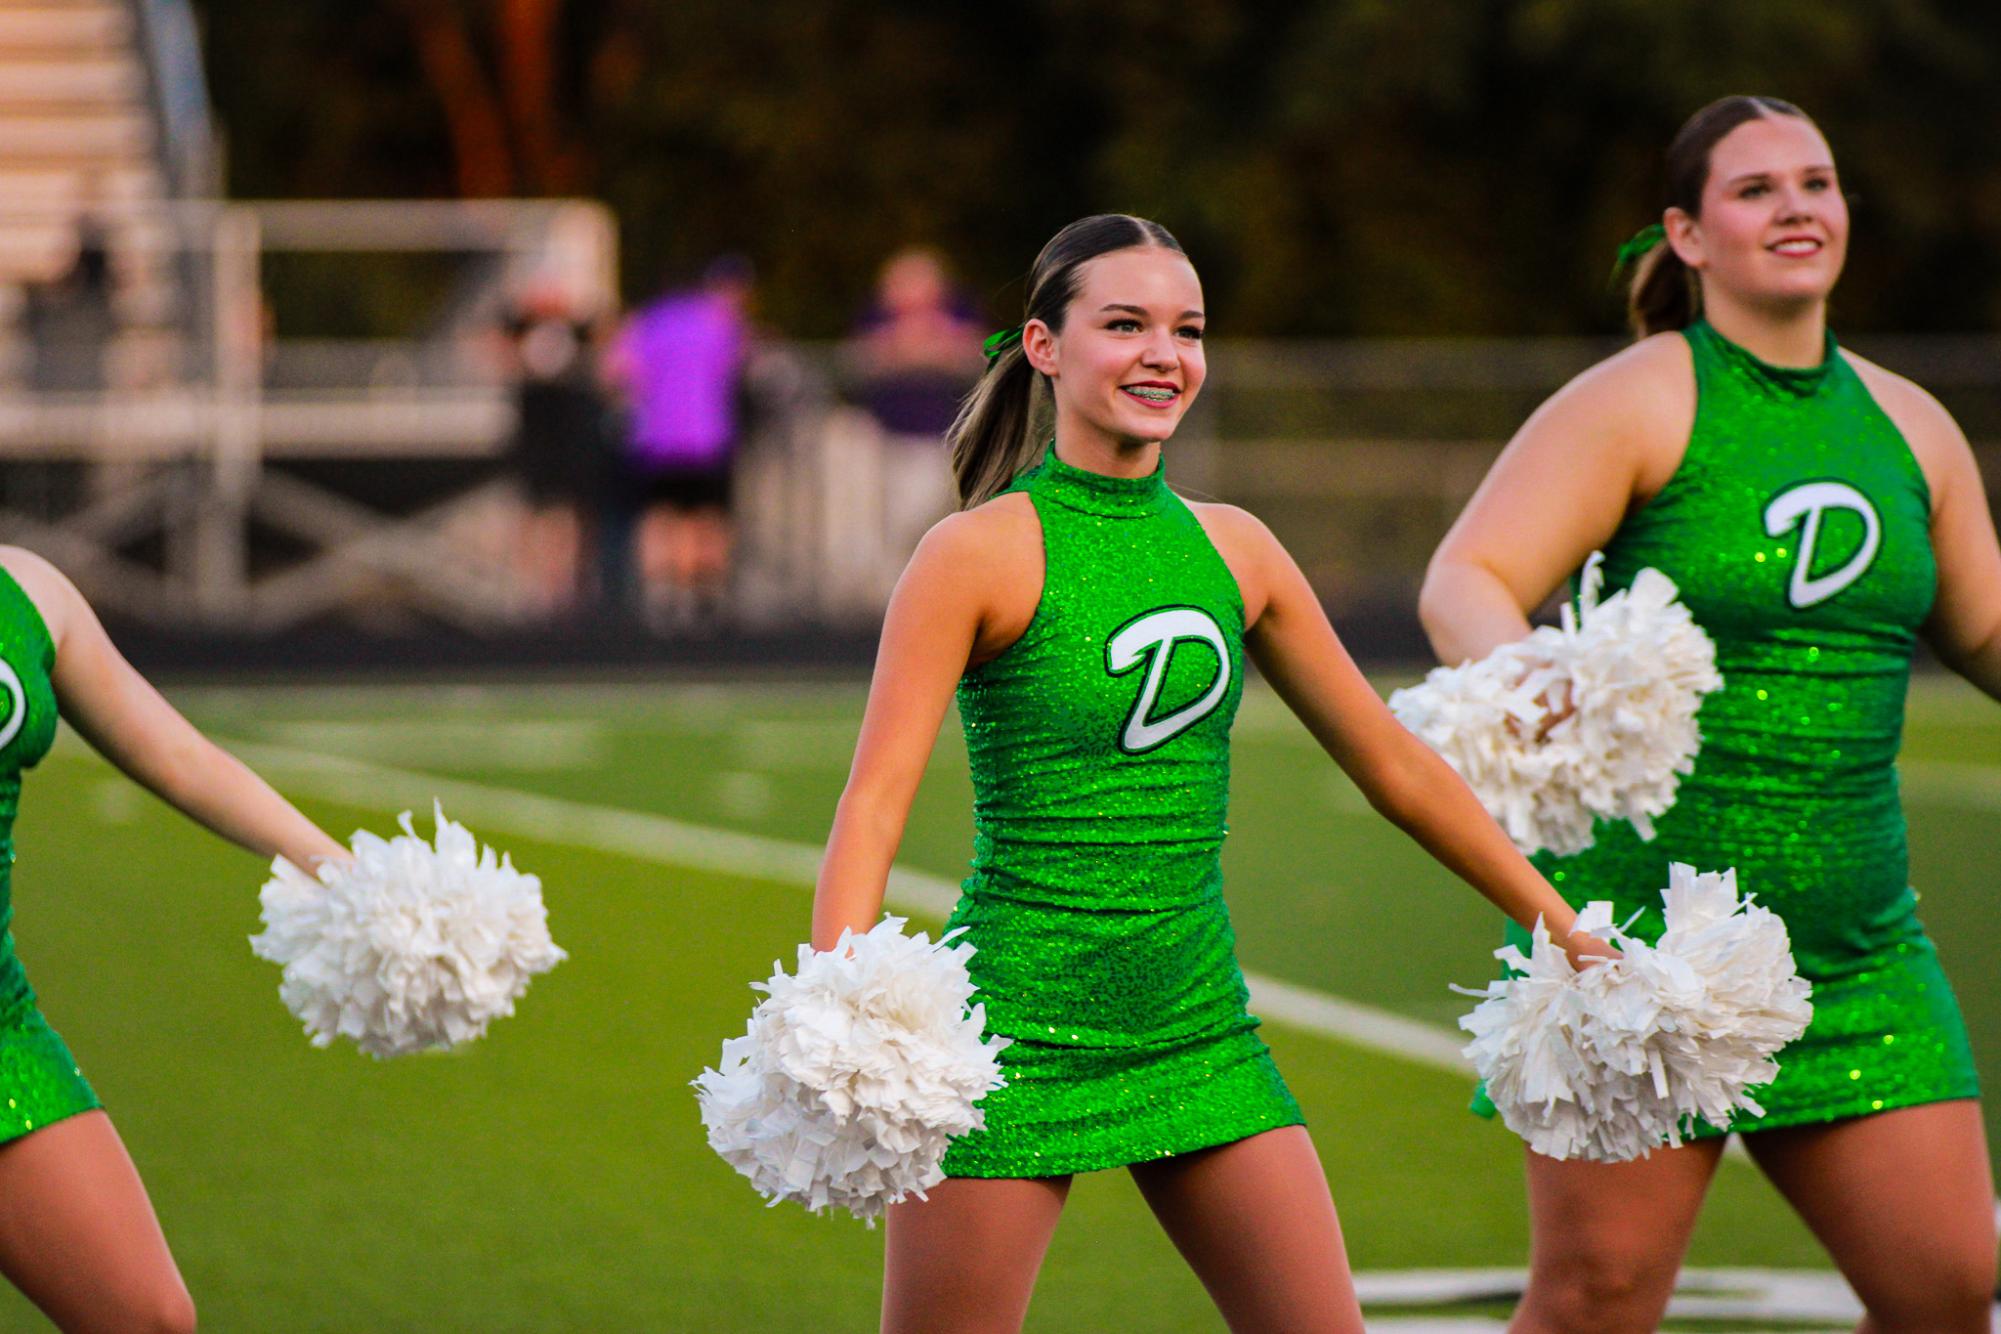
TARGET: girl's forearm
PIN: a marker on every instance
(1982, 665)
(848, 894)
(1434, 806)
(1468, 612)
(222, 794)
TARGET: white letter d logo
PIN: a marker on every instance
(1812, 499)
(17, 702)
(1151, 638)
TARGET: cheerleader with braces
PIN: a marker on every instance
(1094, 628)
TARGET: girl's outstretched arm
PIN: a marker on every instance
(1296, 648)
(951, 602)
(128, 722)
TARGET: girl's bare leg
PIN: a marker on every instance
(1608, 1239)
(1904, 1203)
(965, 1261)
(1256, 1222)
(79, 1237)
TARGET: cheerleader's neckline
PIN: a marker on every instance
(1099, 493)
(1796, 381)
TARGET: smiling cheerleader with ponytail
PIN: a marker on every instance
(1818, 514)
(1095, 629)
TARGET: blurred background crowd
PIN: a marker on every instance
(603, 326)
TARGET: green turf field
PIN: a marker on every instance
(554, 1176)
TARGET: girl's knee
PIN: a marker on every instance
(1947, 1295)
(1600, 1291)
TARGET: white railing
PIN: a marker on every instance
(218, 441)
(171, 453)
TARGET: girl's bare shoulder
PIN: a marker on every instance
(54, 596)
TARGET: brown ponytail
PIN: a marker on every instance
(994, 436)
(1664, 293)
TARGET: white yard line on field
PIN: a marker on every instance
(705, 847)
(1758, 1294)
(730, 852)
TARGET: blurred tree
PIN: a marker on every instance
(1336, 166)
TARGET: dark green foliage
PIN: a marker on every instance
(1341, 167)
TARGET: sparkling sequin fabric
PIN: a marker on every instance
(1798, 529)
(1099, 745)
(39, 1082)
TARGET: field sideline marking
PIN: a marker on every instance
(730, 852)
(755, 856)
(1966, 784)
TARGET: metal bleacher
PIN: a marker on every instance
(159, 438)
(82, 167)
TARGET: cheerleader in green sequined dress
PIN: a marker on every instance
(1095, 628)
(1818, 513)
(77, 1233)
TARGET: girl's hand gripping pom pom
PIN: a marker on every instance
(408, 946)
(1611, 1061)
(1590, 720)
(855, 1074)
(1584, 949)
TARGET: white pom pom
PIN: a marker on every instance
(408, 946)
(1609, 1063)
(1634, 669)
(854, 1075)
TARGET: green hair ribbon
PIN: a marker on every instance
(1637, 245)
(999, 342)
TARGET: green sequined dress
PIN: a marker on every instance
(1100, 752)
(1798, 528)
(39, 1082)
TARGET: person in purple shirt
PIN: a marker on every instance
(680, 361)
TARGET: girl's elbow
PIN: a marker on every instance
(181, 770)
(1396, 791)
(1437, 605)
(873, 809)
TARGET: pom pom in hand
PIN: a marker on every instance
(855, 1074)
(407, 946)
(1632, 670)
(1610, 1062)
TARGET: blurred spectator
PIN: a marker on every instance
(680, 360)
(559, 451)
(917, 348)
(916, 352)
(71, 320)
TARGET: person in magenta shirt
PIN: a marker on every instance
(680, 361)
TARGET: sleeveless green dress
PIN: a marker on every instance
(1100, 751)
(1798, 529)
(39, 1081)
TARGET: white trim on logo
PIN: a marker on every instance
(1152, 637)
(18, 697)
(1812, 499)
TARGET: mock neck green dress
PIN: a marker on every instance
(39, 1082)
(1100, 752)
(1798, 529)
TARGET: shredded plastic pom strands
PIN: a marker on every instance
(408, 946)
(855, 1074)
(1634, 669)
(1610, 1062)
